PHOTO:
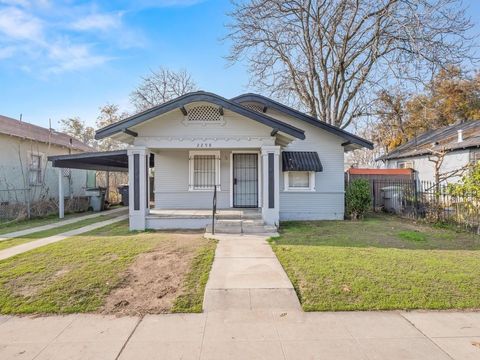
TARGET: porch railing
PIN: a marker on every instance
(214, 208)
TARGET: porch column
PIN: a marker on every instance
(61, 196)
(138, 203)
(271, 184)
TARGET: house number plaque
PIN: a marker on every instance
(204, 145)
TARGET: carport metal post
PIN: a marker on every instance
(61, 199)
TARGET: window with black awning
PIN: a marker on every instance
(301, 161)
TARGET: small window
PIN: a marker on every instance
(204, 170)
(299, 181)
(474, 156)
(405, 164)
(35, 170)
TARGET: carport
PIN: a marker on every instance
(116, 161)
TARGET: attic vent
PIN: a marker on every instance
(254, 107)
(204, 113)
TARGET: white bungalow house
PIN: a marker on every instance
(253, 152)
(446, 152)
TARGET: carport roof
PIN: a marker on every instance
(103, 160)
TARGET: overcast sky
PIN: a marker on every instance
(60, 59)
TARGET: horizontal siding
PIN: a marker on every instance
(14, 171)
(311, 206)
(171, 182)
(327, 202)
(426, 168)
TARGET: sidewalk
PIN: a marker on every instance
(251, 312)
(56, 224)
(245, 335)
(19, 249)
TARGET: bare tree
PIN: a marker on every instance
(333, 55)
(77, 129)
(109, 114)
(161, 86)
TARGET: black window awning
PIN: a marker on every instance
(301, 161)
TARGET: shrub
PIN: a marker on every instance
(358, 199)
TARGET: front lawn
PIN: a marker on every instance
(109, 270)
(4, 244)
(17, 225)
(380, 263)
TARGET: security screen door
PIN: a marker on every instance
(245, 180)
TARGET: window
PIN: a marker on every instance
(35, 170)
(474, 156)
(204, 170)
(405, 164)
(299, 181)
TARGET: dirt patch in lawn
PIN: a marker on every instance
(153, 282)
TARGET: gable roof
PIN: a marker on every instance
(445, 138)
(23, 130)
(123, 125)
(269, 103)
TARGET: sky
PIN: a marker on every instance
(61, 59)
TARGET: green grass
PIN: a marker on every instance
(195, 281)
(4, 244)
(412, 235)
(381, 263)
(77, 274)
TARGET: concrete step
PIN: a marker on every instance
(259, 222)
(252, 229)
(225, 229)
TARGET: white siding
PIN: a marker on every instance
(171, 182)
(426, 169)
(327, 202)
(14, 174)
(171, 166)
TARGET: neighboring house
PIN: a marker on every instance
(25, 174)
(257, 152)
(446, 152)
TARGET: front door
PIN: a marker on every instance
(245, 180)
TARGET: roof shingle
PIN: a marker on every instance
(25, 130)
(445, 138)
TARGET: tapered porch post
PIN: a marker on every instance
(138, 203)
(271, 184)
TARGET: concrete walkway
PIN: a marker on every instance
(15, 250)
(251, 312)
(56, 224)
(246, 275)
(245, 335)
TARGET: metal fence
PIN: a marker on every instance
(425, 200)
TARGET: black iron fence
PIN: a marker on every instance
(426, 200)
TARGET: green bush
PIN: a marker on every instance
(358, 199)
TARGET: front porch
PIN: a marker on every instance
(246, 182)
(236, 221)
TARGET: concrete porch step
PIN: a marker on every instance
(259, 229)
(241, 215)
(241, 227)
